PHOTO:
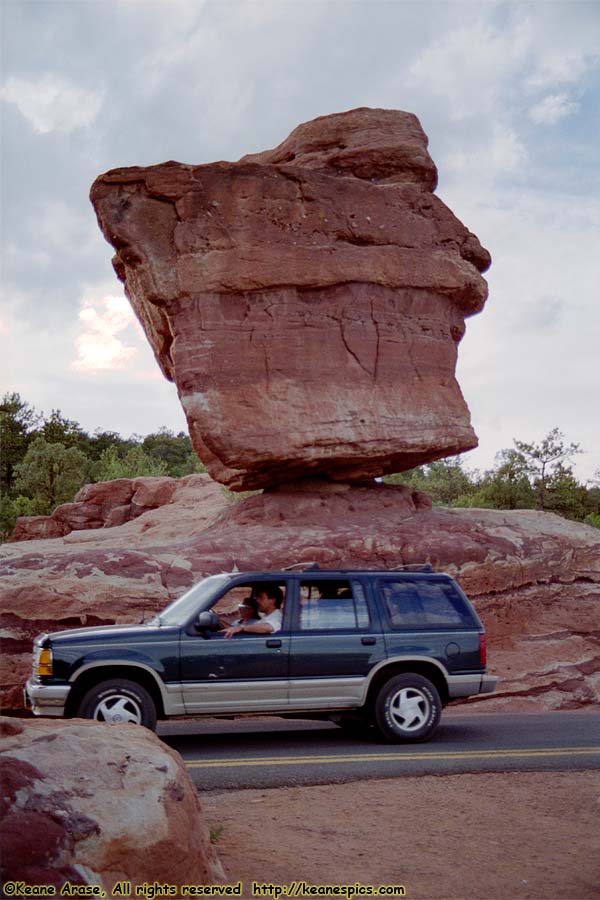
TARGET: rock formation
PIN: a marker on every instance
(534, 577)
(89, 803)
(307, 301)
(109, 503)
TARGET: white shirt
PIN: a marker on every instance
(274, 619)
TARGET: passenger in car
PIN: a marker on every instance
(248, 612)
(269, 598)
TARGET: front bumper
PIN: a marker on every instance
(46, 699)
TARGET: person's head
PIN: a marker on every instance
(248, 609)
(268, 597)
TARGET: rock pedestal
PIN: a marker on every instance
(307, 301)
(533, 577)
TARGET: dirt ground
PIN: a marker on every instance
(477, 837)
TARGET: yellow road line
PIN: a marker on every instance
(390, 757)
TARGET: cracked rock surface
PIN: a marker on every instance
(307, 301)
(91, 803)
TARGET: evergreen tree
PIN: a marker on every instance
(174, 450)
(18, 421)
(133, 464)
(50, 474)
(507, 486)
(56, 429)
(546, 460)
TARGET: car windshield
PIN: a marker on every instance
(180, 610)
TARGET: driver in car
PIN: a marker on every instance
(269, 598)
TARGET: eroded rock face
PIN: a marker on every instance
(89, 803)
(534, 577)
(307, 301)
(103, 505)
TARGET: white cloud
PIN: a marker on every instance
(494, 153)
(553, 108)
(528, 363)
(469, 65)
(52, 103)
(99, 344)
(560, 67)
(486, 80)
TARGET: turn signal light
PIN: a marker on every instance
(482, 650)
(44, 665)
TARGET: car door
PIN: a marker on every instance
(336, 641)
(246, 673)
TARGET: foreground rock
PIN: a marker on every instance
(88, 803)
(307, 301)
(534, 577)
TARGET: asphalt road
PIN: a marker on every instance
(264, 752)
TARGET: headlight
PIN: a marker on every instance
(43, 661)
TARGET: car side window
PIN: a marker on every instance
(327, 605)
(239, 604)
(425, 604)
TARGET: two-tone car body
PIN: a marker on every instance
(384, 647)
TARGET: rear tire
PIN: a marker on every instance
(407, 708)
(118, 701)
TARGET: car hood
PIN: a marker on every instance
(102, 632)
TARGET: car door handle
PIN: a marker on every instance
(273, 642)
(368, 640)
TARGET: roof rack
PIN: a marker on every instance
(413, 567)
(302, 567)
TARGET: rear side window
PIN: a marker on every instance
(327, 605)
(424, 604)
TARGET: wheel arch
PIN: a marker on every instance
(433, 671)
(95, 673)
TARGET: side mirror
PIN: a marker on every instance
(207, 621)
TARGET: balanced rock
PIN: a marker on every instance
(308, 301)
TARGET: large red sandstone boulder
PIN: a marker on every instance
(88, 803)
(103, 505)
(534, 577)
(307, 301)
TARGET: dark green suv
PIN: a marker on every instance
(380, 647)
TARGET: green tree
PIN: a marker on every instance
(444, 480)
(175, 450)
(57, 429)
(546, 460)
(447, 480)
(592, 501)
(565, 495)
(191, 466)
(132, 464)
(414, 478)
(507, 486)
(50, 474)
(102, 440)
(18, 421)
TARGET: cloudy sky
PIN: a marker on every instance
(509, 94)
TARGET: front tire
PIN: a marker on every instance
(118, 701)
(407, 708)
